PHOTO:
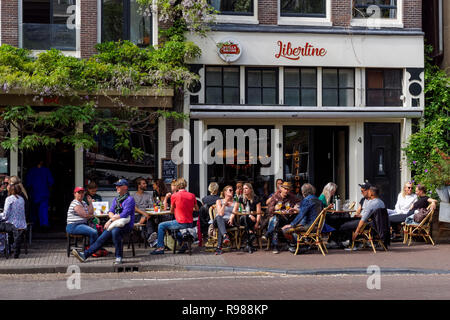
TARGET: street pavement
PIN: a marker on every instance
(49, 256)
(220, 286)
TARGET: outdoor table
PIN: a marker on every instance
(342, 212)
(283, 213)
(245, 213)
(159, 213)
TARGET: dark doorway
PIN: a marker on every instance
(382, 159)
(330, 150)
(60, 159)
(317, 155)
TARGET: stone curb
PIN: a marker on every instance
(129, 267)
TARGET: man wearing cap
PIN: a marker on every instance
(365, 193)
(285, 202)
(122, 207)
(78, 214)
(373, 202)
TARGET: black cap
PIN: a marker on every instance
(365, 186)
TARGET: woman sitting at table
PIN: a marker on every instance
(327, 193)
(78, 215)
(159, 190)
(14, 216)
(405, 200)
(249, 202)
(224, 217)
(423, 201)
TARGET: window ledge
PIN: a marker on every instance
(376, 23)
(298, 21)
(236, 19)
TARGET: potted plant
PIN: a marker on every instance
(437, 177)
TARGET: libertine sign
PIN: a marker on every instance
(291, 52)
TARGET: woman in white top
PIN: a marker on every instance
(78, 214)
(404, 200)
(14, 216)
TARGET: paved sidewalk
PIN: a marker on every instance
(49, 256)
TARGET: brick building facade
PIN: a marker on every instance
(363, 51)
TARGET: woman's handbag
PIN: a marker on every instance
(420, 215)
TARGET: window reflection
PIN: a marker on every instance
(106, 164)
(122, 20)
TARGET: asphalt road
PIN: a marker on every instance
(223, 286)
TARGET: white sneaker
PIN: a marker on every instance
(118, 261)
(345, 243)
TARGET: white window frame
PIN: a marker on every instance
(228, 18)
(306, 21)
(155, 25)
(380, 23)
(73, 53)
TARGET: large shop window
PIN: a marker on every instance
(254, 147)
(122, 20)
(338, 87)
(303, 8)
(105, 164)
(262, 86)
(222, 85)
(300, 86)
(384, 87)
(49, 24)
(233, 7)
(375, 9)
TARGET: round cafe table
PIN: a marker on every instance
(157, 213)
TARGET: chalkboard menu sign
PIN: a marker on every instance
(169, 170)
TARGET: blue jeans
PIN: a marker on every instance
(169, 225)
(117, 238)
(83, 229)
(275, 224)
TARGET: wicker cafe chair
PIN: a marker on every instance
(368, 234)
(423, 229)
(313, 236)
(233, 232)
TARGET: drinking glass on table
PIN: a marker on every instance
(288, 206)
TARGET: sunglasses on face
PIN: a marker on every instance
(409, 188)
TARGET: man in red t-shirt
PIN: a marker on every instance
(183, 204)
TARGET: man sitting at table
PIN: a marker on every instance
(143, 201)
(183, 204)
(122, 207)
(309, 209)
(373, 203)
(279, 202)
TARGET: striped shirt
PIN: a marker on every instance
(72, 216)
